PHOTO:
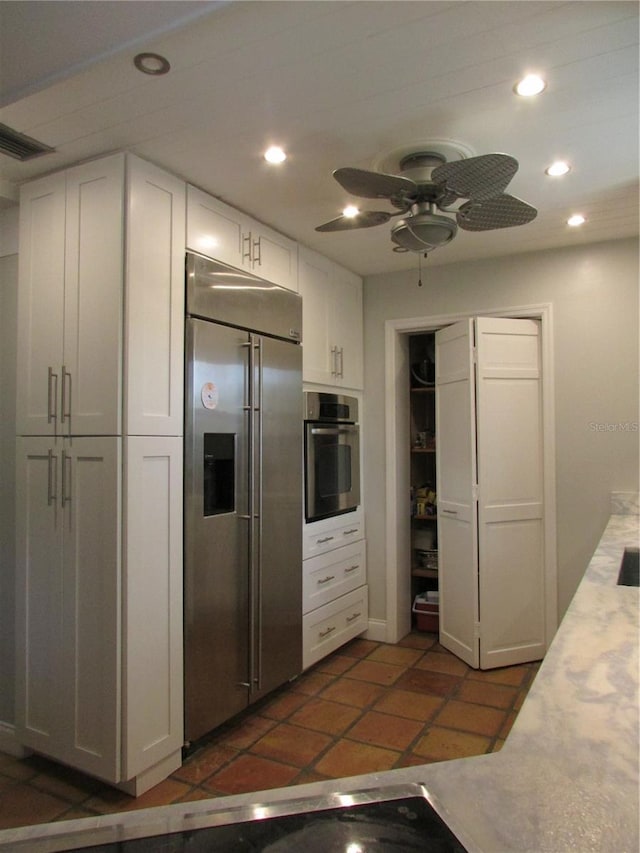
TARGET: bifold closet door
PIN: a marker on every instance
(490, 491)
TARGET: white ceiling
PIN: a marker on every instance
(337, 84)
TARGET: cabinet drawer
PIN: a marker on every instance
(321, 536)
(333, 574)
(329, 627)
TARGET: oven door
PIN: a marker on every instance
(332, 469)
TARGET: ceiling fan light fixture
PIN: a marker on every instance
(423, 232)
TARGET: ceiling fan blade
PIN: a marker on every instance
(477, 178)
(364, 219)
(500, 212)
(365, 184)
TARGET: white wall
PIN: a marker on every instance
(594, 293)
(8, 315)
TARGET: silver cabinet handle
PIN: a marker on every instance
(246, 247)
(256, 258)
(326, 580)
(52, 396)
(349, 532)
(450, 511)
(351, 569)
(323, 634)
(52, 486)
(65, 492)
(353, 616)
(65, 410)
(334, 361)
(340, 354)
(322, 541)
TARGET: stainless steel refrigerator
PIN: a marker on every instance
(243, 491)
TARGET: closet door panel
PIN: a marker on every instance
(510, 505)
(456, 475)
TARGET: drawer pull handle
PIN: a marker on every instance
(327, 579)
(322, 541)
(353, 616)
(326, 633)
(450, 511)
(351, 569)
(349, 532)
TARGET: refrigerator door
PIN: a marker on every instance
(216, 526)
(277, 576)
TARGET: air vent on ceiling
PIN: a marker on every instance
(20, 146)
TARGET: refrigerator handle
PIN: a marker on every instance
(258, 537)
(251, 510)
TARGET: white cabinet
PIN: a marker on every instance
(326, 629)
(334, 584)
(152, 590)
(68, 639)
(219, 231)
(154, 301)
(332, 335)
(70, 302)
(99, 486)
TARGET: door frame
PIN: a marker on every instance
(398, 544)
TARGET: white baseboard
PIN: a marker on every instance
(377, 630)
(9, 743)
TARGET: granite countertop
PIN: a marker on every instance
(565, 780)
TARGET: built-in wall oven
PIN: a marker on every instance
(331, 455)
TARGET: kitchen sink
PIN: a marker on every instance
(629, 566)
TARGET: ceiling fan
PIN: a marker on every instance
(427, 183)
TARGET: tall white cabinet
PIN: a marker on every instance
(99, 462)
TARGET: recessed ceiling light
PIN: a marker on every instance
(275, 154)
(530, 85)
(151, 63)
(576, 220)
(350, 211)
(560, 167)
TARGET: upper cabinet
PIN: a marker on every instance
(80, 329)
(332, 339)
(218, 231)
(154, 303)
(70, 301)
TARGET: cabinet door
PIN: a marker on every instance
(91, 376)
(274, 257)
(315, 285)
(153, 726)
(155, 301)
(90, 667)
(347, 327)
(39, 588)
(40, 305)
(456, 473)
(214, 229)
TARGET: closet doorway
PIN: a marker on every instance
(400, 551)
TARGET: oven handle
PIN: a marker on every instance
(333, 430)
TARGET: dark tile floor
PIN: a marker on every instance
(368, 707)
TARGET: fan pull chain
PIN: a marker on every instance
(420, 269)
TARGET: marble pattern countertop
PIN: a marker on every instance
(566, 778)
